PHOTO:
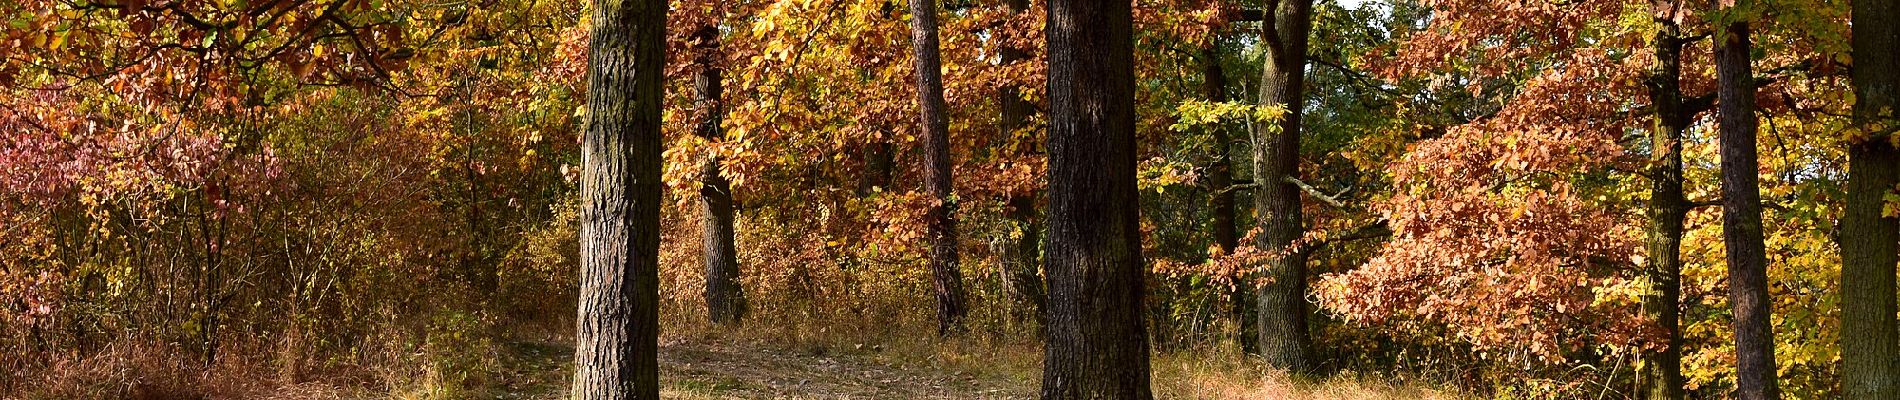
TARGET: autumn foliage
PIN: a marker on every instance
(379, 194)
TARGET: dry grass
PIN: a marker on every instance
(150, 371)
(1008, 364)
(806, 358)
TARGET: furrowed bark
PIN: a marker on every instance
(1282, 308)
(1097, 344)
(1870, 240)
(616, 337)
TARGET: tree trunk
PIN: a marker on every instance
(879, 158)
(1097, 343)
(1870, 345)
(616, 337)
(725, 296)
(1284, 340)
(1024, 257)
(1741, 218)
(1660, 377)
(1220, 182)
(942, 216)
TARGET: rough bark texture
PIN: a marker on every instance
(725, 297)
(1660, 377)
(1023, 258)
(1284, 340)
(616, 337)
(942, 216)
(1097, 343)
(1220, 182)
(1870, 241)
(1741, 218)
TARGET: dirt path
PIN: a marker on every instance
(693, 371)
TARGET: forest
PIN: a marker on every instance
(955, 199)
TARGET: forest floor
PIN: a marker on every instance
(716, 370)
(725, 368)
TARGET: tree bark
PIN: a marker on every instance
(1660, 377)
(942, 216)
(616, 337)
(725, 295)
(1741, 217)
(1024, 257)
(1284, 340)
(1870, 240)
(1097, 343)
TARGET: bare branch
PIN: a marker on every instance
(1312, 191)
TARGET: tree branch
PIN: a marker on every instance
(1237, 186)
(1312, 191)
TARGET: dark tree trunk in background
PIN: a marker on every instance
(1220, 181)
(1220, 174)
(1023, 259)
(725, 296)
(1741, 217)
(1870, 339)
(616, 337)
(1660, 377)
(1097, 345)
(942, 216)
(1284, 340)
(878, 162)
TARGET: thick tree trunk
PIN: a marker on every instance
(1023, 259)
(1220, 182)
(1741, 218)
(616, 337)
(725, 296)
(1870, 240)
(942, 216)
(1284, 340)
(1097, 343)
(1660, 377)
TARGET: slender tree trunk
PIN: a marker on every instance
(942, 216)
(1220, 174)
(616, 337)
(725, 296)
(1024, 258)
(1741, 218)
(1870, 240)
(1220, 181)
(1097, 343)
(1284, 340)
(1661, 374)
(878, 162)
